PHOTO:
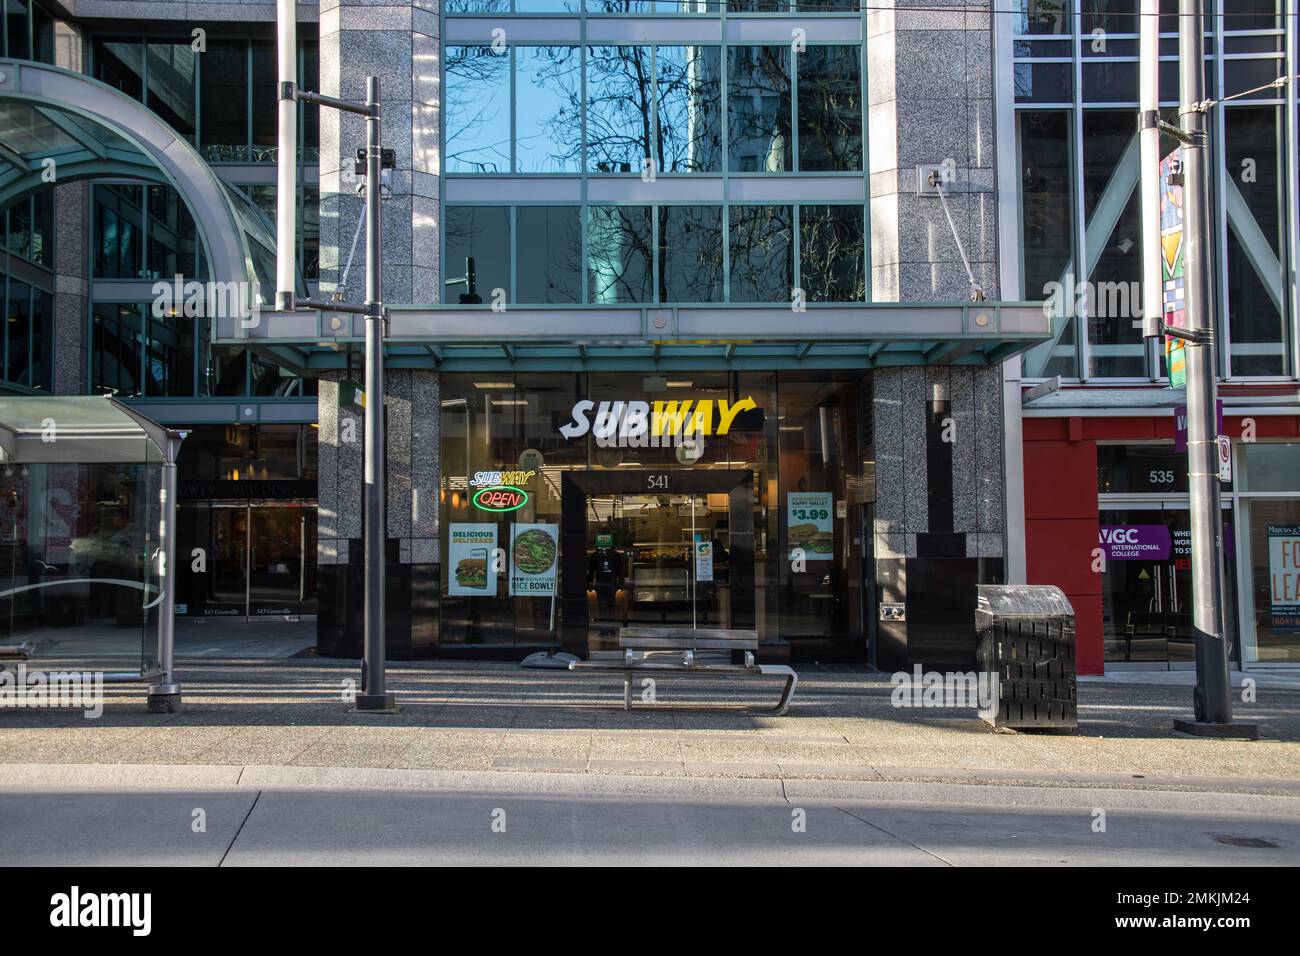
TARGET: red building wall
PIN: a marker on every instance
(1061, 526)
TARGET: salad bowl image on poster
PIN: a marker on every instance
(534, 551)
(469, 556)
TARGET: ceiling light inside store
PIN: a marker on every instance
(509, 401)
(487, 385)
(672, 384)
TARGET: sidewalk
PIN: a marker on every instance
(499, 717)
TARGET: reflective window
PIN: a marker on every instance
(1046, 226)
(1254, 182)
(18, 317)
(689, 82)
(1113, 210)
(478, 253)
(548, 251)
(117, 332)
(832, 253)
(548, 106)
(223, 101)
(620, 112)
(172, 85)
(477, 105)
(119, 232)
(618, 254)
(120, 64)
(758, 108)
(690, 253)
(762, 253)
(830, 108)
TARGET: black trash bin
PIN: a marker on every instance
(1026, 645)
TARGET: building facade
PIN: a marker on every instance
(682, 331)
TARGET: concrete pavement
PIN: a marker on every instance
(500, 717)
(260, 815)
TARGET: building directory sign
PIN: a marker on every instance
(1284, 577)
(469, 559)
(809, 517)
(534, 549)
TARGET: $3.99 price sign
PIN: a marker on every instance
(809, 531)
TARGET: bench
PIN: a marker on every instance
(17, 652)
(684, 644)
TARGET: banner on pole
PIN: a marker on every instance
(1171, 258)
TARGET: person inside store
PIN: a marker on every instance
(605, 573)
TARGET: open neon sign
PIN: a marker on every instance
(500, 498)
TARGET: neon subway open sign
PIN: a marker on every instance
(500, 498)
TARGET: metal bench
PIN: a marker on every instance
(17, 652)
(687, 642)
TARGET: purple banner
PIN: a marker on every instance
(1136, 542)
(1180, 425)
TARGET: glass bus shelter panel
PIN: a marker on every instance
(79, 579)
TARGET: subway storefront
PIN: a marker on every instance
(573, 505)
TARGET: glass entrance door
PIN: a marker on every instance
(258, 558)
(1147, 584)
(658, 560)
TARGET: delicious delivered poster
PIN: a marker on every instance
(469, 560)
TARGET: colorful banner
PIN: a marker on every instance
(534, 555)
(1284, 577)
(1171, 256)
(809, 527)
(469, 560)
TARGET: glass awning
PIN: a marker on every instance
(81, 429)
(60, 126)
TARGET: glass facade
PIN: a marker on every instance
(1075, 92)
(798, 445)
(208, 94)
(665, 253)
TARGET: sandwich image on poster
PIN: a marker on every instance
(469, 557)
(809, 525)
(534, 553)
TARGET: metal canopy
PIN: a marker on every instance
(59, 126)
(79, 430)
(649, 338)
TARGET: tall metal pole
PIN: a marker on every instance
(1213, 696)
(374, 696)
(165, 695)
(286, 159)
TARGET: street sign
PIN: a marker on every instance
(1225, 458)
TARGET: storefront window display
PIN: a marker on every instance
(1270, 509)
(580, 504)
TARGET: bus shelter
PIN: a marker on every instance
(87, 540)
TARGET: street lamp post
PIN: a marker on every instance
(1212, 701)
(374, 697)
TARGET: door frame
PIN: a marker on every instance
(577, 486)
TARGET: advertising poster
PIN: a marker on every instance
(703, 559)
(534, 553)
(469, 557)
(1284, 577)
(809, 518)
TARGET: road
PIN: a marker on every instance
(241, 816)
